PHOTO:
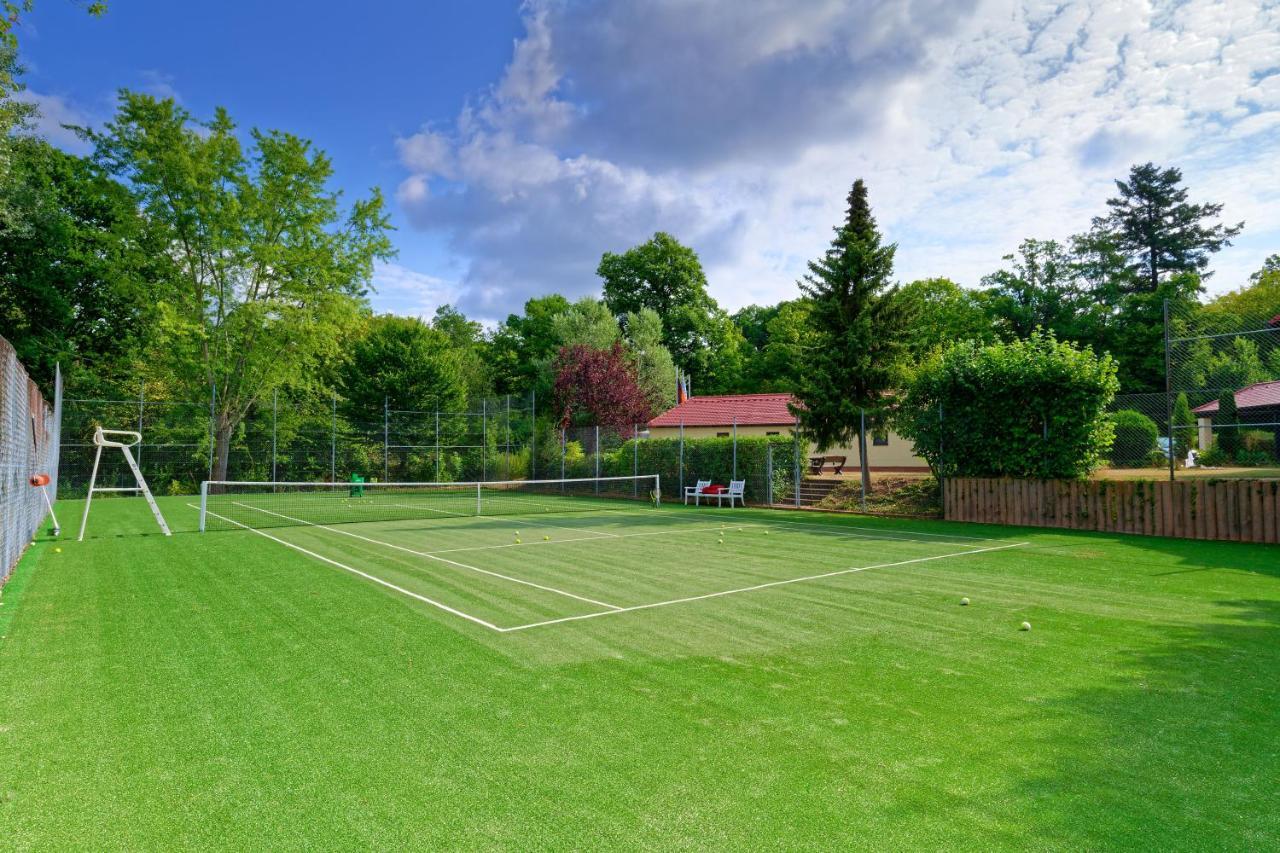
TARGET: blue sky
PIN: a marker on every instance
(517, 142)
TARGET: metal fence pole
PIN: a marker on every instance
(562, 446)
(333, 441)
(507, 474)
(386, 439)
(437, 439)
(275, 414)
(597, 459)
(635, 459)
(1168, 388)
(484, 439)
(862, 452)
(533, 434)
(795, 459)
(681, 463)
(768, 475)
(213, 410)
(942, 437)
(142, 401)
(735, 447)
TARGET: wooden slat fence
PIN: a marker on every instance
(1234, 510)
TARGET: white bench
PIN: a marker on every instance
(694, 491)
(734, 492)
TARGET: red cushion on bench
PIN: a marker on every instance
(713, 490)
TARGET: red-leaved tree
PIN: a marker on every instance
(599, 387)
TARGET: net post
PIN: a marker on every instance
(204, 502)
(657, 490)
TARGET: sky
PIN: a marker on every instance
(517, 142)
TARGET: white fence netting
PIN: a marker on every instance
(28, 445)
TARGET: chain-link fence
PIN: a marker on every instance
(305, 439)
(28, 446)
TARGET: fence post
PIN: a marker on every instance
(437, 439)
(533, 434)
(768, 474)
(597, 459)
(862, 454)
(635, 459)
(735, 447)
(142, 400)
(484, 440)
(275, 406)
(213, 409)
(1168, 388)
(682, 457)
(333, 441)
(562, 444)
(942, 489)
(507, 474)
(795, 460)
(386, 443)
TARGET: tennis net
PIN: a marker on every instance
(230, 505)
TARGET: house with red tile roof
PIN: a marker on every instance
(1258, 404)
(723, 415)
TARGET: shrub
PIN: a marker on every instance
(1135, 438)
(1214, 457)
(1229, 433)
(1027, 408)
(1254, 458)
(1184, 427)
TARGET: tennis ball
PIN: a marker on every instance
(59, 551)
(964, 602)
(721, 541)
(546, 538)
(1026, 626)
(517, 540)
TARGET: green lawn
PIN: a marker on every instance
(226, 691)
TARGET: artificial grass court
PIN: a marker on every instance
(227, 690)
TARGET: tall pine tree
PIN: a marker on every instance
(1152, 224)
(860, 327)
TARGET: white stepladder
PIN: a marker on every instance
(130, 439)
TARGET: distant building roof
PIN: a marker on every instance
(724, 410)
(1255, 396)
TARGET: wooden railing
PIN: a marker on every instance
(1236, 510)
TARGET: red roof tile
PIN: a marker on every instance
(1253, 396)
(747, 409)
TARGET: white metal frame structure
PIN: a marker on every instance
(130, 439)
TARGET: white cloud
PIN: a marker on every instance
(974, 125)
(55, 112)
(400, 290)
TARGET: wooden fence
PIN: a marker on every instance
(1235, 510)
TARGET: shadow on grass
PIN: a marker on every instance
(1179, 751)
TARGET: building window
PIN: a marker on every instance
(722, 435)
(880, 438)
(773, 433)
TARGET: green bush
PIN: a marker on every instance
(1254, 458)
(1027, 408)
(1135, 438)
(707, 459)
(1214, 457)
(1229, 433)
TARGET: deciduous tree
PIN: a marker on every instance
(598, 387)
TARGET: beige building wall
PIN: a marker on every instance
(896, 455)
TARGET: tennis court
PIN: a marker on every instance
(527, 556)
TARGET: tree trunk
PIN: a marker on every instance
(223, 427)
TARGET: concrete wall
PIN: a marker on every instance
(897, 455)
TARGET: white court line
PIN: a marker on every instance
(434, 557)
(365, 575)
(753, 588)
(511, 515)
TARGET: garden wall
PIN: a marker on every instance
(1236, 510)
